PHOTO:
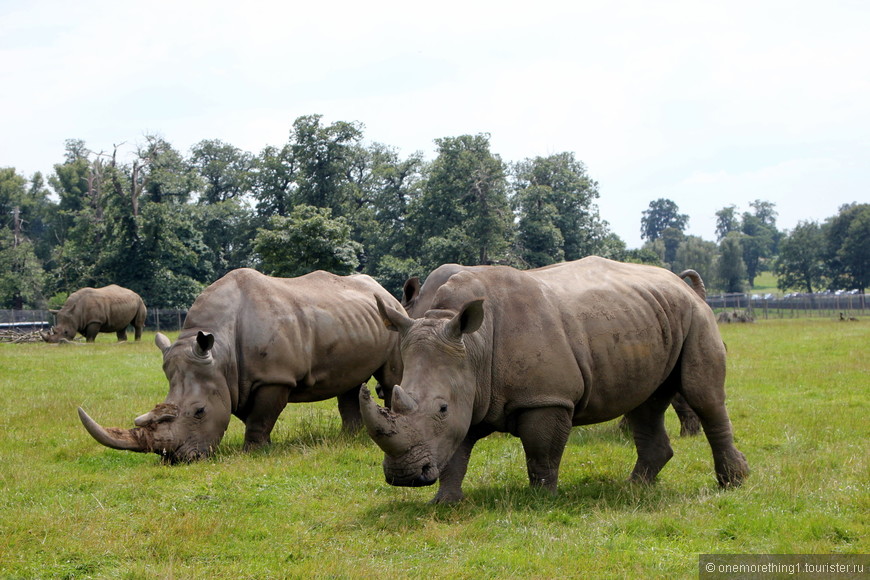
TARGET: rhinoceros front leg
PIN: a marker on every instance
(122, 335)
(544, 433)
(450, 480)
(91, 331)
(268, 402)
(348, 409)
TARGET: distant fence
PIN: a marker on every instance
(761, 306)
(792, 305)
(28, 320)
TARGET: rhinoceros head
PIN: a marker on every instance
(431, 412)
(190, 423)
(62, 331)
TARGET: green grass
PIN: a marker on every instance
(315, 503)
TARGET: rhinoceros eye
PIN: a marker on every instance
(443, 409)
(199, 413)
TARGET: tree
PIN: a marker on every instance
(731, 271)
(697, 254)
(662, 214)
(848, 247)
(462, 214)
(801, 258)
(226, 171)
(21, 274)
(558, 219)
(391, 188)
(322, 154)
(539, 239)
(308, 239)
(275, 184)
(726, 222)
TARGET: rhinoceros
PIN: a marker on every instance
(90, 311)
(533, 354)
(252, 343)
(417, 299)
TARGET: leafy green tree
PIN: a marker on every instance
(801, 258)
(726, 222)
(848, 247)
(322, 155)
(697, 254)
(226, 171)
(757, 243)
(539, 239)
(228, 231)
(308, 239)
(21, 274)
(275, 182)
(731, 271)
(672, 238)
(556, 195)
(463, 213)
(661, 215)
(382, 225)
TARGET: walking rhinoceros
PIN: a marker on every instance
(251, 344)
(535, 354)
(90, 311)
(417, 299)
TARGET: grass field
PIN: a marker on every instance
(315, 503)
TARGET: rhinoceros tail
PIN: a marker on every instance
(696, 282)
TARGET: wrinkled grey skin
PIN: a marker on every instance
(250, 345)
(417, 299)
(90, 311)
(583, 342)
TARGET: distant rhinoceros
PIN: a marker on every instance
(535, 354)
(90, 311)
(417, 299)
(251, 344)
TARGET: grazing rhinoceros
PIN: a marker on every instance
(251, 344)
(534, 354)
(417, 299)
(90, 311)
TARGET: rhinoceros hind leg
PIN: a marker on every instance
(650, 438)
(122, 335)
(690, 423)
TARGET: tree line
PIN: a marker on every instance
(166, 224)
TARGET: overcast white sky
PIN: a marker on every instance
(705, 103)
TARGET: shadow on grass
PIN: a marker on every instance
(575, 499)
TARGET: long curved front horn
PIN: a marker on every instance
(388, 429)
(115, 438)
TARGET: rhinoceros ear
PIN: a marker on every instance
(410, 291)
(162, 342)
(204, 342)
(467, 320)
(393, 319)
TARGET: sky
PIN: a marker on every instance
(705, 103)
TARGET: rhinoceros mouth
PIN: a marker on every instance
(403, 474)
(183, 454)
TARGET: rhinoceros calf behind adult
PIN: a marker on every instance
(251, 344)
(90, 311)
(535, 354)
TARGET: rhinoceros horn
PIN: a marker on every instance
(115, 438)
(389, 429)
